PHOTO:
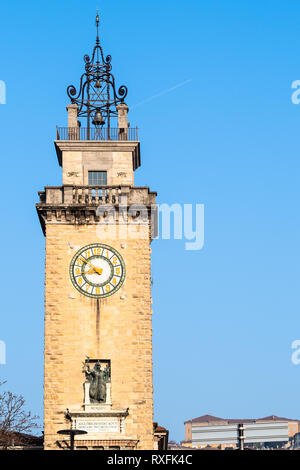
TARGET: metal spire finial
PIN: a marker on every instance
(97, 25)
(97, 90)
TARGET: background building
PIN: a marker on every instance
(20, 441)
(269, 432)
(161, 437)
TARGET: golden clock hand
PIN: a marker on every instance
(97, 270)
(87, 262)
(89, 271)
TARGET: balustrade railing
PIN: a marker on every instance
(96, 195)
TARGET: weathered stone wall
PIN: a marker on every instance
(122, 332)
(118, 165)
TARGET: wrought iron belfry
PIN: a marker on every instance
(97, 98)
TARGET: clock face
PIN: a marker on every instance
(97, 270)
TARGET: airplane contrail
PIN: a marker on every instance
(161, 93)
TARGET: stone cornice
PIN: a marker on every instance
(74, 205)
(98, 146)
(124, 443)
(99, 414)
(71, 215)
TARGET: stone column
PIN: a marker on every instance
(86, 388)
(68, 194)
(123, 123)
(73, 124)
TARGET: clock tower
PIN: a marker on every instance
(98, 228)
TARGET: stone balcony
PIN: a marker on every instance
(70, 204)
(96, 195)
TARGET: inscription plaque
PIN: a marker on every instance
(98, 425)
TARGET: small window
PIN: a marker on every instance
(98, 178)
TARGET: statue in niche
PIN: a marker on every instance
(98, 378)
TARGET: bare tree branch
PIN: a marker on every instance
(14, 418)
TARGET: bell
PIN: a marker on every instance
(97, 84)
(98, 118)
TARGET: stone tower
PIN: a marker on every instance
(98, 228)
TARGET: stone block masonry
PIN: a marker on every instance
(120, 330)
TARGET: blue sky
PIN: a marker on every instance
(225, 316)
